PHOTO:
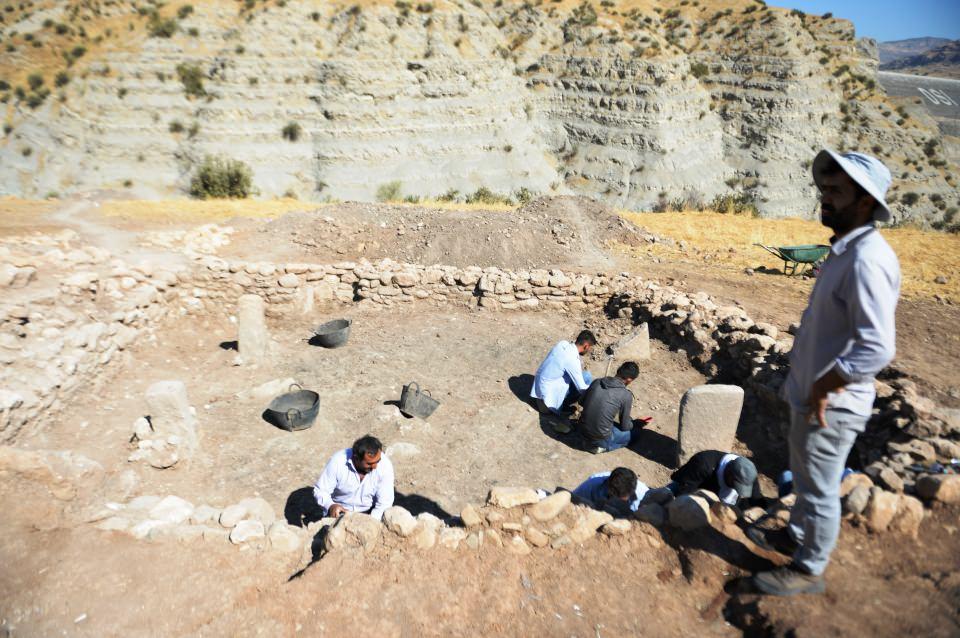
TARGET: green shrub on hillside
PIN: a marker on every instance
(389, 192)
(221, 177)
(191, 75)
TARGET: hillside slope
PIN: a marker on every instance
(943, 61)
(642, 104)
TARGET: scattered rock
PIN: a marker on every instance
(450, 537)
(550, 507)
(516, 545)
(908, 517)
(402, 449)
(617, 527)
(172, 509)
(399, 521)
(856, 499)
(284, 538)
(940, 487)
(232, 515)
(652, 513)
(246, 531)
(61, 472)
(880, 510)
(470, 516)
(536, 537)
(507, 497)
(259, 509)
(689, 512)
(587, 524)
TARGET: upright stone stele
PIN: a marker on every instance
(253, 336)
(708, 419)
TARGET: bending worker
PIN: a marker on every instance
(561, 379)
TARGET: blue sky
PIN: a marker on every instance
(888, 20)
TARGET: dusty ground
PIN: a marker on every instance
(79, 581)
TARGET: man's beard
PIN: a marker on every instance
(838, 221)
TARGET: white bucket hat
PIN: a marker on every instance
(865, 170)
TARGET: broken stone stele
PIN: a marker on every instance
(170, 414)
(632, 347)
(709, 415)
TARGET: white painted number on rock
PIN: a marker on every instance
(936, 96)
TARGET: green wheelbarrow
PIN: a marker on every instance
(796, 259)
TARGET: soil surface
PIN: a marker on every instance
(60, 577)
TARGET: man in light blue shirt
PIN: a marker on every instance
(560, 379)
(617, 490)
(846, 336)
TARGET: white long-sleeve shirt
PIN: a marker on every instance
(340, 484)
(558, 371)
(849, 324)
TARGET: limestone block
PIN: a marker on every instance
(617, 527)
(708, 419)
(172, 509)
(856, 499)
(289, 280)
(507, 497)
(536, 537)
(516, 545)
(587, 524)
(246, 531)
(493, 537)
(232, 515)
(253, 340)
(450, 537)
(399, 521)
(881, 509)
(908, 517)
(259, 509)
(170, 414)
(939, 487)
(853, 480)
(689, 512)
(550, 507)
(470, 516)
(284, 538)
(652, 513)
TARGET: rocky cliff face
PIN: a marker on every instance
(641, 104)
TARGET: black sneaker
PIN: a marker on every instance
(773, 540)
(788, 581)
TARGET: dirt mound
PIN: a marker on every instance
(561, 232)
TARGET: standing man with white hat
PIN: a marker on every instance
(846, 336)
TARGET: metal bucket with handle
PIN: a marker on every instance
(294, 410)
(417, 402)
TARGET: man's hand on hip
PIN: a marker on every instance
(830, 382)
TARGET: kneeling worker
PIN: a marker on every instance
(560, 379)
(616, 490)
(605, 422)
(731, 477)
(357, 479)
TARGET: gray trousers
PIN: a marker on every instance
(817, 458)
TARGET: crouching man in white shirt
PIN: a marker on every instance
(357, 479)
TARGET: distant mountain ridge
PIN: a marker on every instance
(897, 49)
(943, 61)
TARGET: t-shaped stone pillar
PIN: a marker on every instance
(709, 415)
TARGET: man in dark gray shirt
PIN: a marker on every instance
(605, 423)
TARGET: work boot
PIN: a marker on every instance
(597, 450)
(560, 424)
(773, 540)
(787, 581)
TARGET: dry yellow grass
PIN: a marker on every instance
(923, 255)
(207, 210)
